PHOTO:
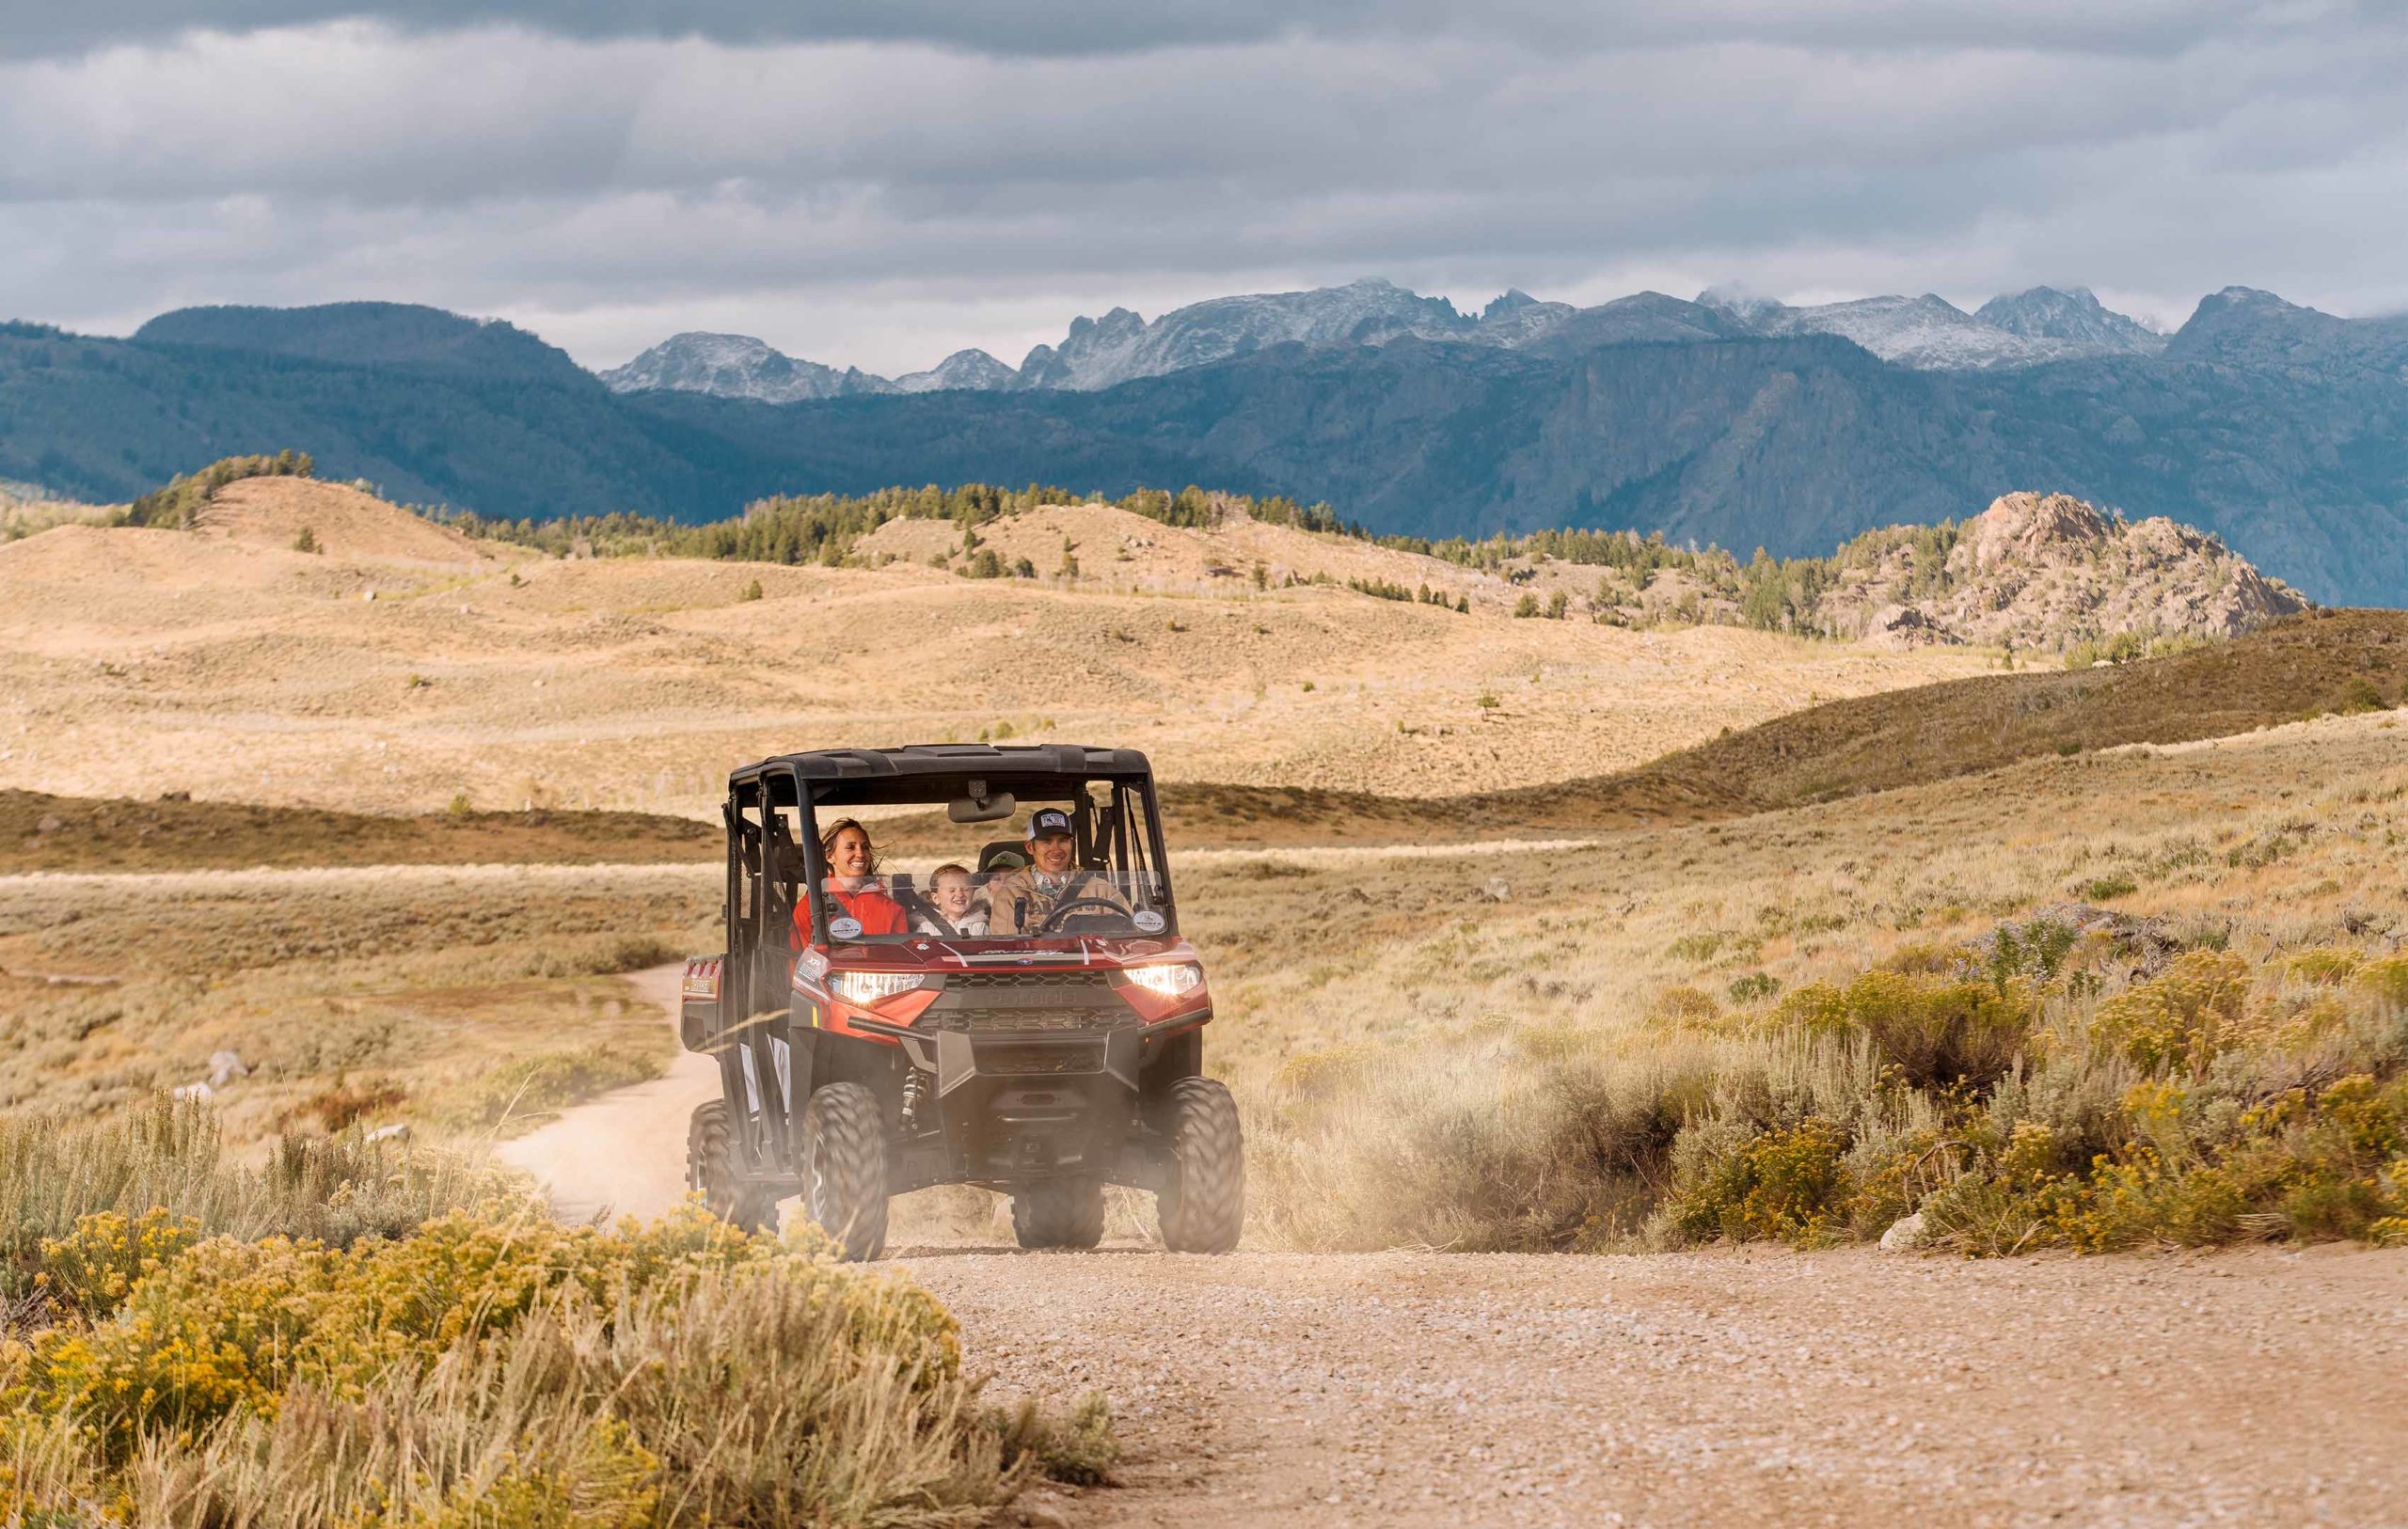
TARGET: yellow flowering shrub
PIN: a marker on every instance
(1782, 1184)
(228, 1327)
(2386, 979)
(2323, 967)
(92, 1268)
(2182, 1017)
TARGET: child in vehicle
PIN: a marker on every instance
(955, 908)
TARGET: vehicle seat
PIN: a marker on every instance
(1002, 855)
(898, 886)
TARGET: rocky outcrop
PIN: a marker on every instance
(2047, 571)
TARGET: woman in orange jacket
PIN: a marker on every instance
(853, 885)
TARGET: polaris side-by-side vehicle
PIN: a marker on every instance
(1044, 1062)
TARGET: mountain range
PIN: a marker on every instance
(1926, 332)
(1728, 420)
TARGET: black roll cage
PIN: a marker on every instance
(771, 859)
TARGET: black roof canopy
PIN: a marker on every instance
(867, 775)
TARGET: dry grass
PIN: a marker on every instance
(1450, 1068)
(410, 1362)
(29, 511)
(2329, 662)
(135, 661)
(41, 832)
(416, 987)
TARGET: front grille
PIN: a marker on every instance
(940, 1016)
(1066, 982)
(1044, 1001)
(1040, 1061)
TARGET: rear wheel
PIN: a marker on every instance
(1059, 1213)
(710, 1171)
(844, 1168)
(1202, 1207)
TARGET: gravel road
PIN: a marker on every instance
(1753, 1386)
(1743, 1387)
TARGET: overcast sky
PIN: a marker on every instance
(885, 181)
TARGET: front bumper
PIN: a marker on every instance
(1001, 1108)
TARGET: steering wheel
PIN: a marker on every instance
(1066, 909)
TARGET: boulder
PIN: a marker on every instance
(1906, 1235)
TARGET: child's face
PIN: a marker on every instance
(953, 894)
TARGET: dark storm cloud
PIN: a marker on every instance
(880, 184)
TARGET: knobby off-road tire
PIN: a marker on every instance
(1203, 1207)
(844, 1168)
(710, 1171)
(1059, 1213)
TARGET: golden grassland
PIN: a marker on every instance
(223, 662)
(471, 999)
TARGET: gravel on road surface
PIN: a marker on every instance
(1744, 1386)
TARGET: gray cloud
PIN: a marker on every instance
(1077, 28)
(879, 200)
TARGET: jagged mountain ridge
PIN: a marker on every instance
(739, 366)
(1926, 333)
(2074, 315)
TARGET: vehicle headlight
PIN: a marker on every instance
(1171, 980)
(868, 988)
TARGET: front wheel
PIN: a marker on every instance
(1202, 1207)
(844, 1168)
(1059, 1213)
(710, 1171)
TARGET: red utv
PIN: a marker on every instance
(1045, 1066)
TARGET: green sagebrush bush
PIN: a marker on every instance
(1936, 1030)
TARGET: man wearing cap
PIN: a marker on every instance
(1020, 901)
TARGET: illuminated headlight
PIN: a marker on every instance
(868, 988)
(1169, 981)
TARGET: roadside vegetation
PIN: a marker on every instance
(2148, 998)
(364, 1336)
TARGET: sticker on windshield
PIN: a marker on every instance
(845, 928)
(1148, 921)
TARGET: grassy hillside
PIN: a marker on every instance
(2331, 661)
(42, 832)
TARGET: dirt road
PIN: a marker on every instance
(1744, 1387)
(1735, 1387)
(624, 1153)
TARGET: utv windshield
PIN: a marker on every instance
(989, 860)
